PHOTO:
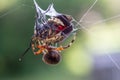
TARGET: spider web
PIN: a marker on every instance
(78, 23)
(20, 4)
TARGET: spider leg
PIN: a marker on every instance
(59, 49)
(39, 47)
(39, 51)
(72, 41)
(67, 46)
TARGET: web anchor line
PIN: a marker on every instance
(78, 23)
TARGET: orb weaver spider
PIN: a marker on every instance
(49, 33)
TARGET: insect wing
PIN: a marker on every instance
(51, 11)
(40, 12)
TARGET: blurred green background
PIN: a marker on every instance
(17, 19)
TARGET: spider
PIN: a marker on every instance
(51, 28)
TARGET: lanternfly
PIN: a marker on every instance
(51, 28)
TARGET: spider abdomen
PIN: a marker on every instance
(52, 57)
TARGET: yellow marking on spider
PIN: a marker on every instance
(41, 49)
(59, 48)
